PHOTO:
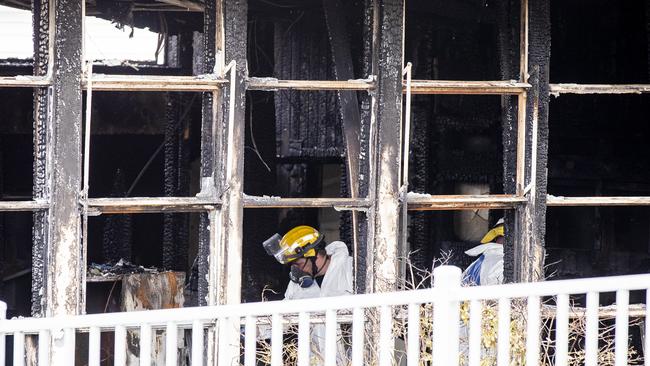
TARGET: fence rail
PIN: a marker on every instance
(438, 326)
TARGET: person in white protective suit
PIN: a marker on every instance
(488, 268)
(317, 270)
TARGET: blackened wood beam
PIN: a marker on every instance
(25, 81)
(231, 159)
(350, 204)
(273, 84)
(99, 206)
(64, 261)
(421, 202)
(531, 222)
(41, 172)
(210, 107)
(596, 201)
(226, 258)
(509, 127)
(500, 87)
(22, 206)
(384, 217)
(362, 260)
(568, 88)
(205, 83)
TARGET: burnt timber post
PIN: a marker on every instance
(208, 149)
(226, 258)
(64, 261)
(387, 106)
(42, 121)
(509, 68)
(231, 167)
(531, 222)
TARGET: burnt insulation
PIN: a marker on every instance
(454, 138)
(456, 118)
(420, 151)
(118, 230)
(345, 227)
(176, 181)
(41, 16)
(307, 123)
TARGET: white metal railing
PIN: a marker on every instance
(435, 326)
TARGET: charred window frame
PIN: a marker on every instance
(520, 140)
(218, 84)
(222, 200)
(600, 206)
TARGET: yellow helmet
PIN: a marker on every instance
(496, 231)
(299, 242)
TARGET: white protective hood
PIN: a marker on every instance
(492, 266)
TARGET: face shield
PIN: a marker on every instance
(272, 247)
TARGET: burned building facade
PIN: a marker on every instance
(402, 128)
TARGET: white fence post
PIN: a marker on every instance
(446, 316)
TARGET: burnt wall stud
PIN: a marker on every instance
(509, 118)
(41, 124)
(230, 135)
(531, 218)
(384, 215)
(231, 163)
(226, 257)
(208, 148)
(64, 261)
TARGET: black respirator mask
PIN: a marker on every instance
(306, 279)
(302, 278)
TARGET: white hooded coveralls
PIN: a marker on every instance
(336, 282)
(491, 266)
